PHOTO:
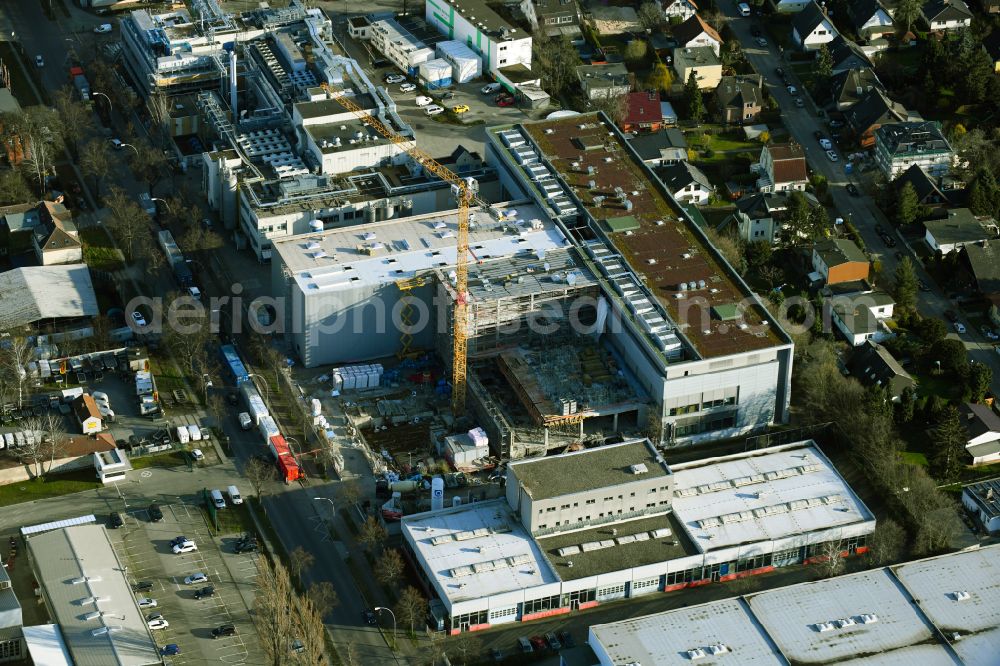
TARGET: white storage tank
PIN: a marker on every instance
(465, 64)
(436, 73)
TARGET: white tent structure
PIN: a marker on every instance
(465, 64)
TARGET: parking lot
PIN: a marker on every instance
(145, 547)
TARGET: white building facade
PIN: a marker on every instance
(473, 23)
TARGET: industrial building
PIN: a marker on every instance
(982, 499)
(697, 341)
(504, 49)
(12, 646)
(941, 610)
(399, 46)
(83, 586)
(615, 522)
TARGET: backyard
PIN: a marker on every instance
(98, 252)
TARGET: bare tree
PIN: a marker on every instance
(299, 560)
(148, 163)
(348, 654)
(351, 491)
(372, 534)
(54, 437)
(39, 130)
(150, 254)
(128, 221)
(311, 633)
(159, 110)
(615, 106)
(434, 652)
(389, 567)
(271, 606)
(323, 596)
(188, 343)
(460, 647)
(258, 473)
(411, 607)
(651, 15)
(76, 118)
(95, 162)
(15, 354)
(831, 559)
(887, 542)
(217, 407)
(33, 451)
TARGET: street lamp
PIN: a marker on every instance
(378, 609)
(164, 202)
(110, 107)
(136, 150)
(267, 390)
(333, 507)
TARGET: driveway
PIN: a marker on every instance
(861, 210)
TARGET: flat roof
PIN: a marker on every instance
(762, 495)
(384, 252)
(624, 555)
(32, 293)
(978, 493)
(897, 634)
(339, 136)
(523, 274)
(960, 226)
(478, 12)
(90, 598)
(477, 550)
(937, 583)
(666, 638)
(46, 645)
(579, 471)
(685, 273)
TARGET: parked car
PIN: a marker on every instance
(852, 189)
(146, 602)
(195, 578)
(525, 645)
(800, 103)
(433, 110)
(170, 650)
(205, 592)
(217, 500)
(449, 94)
(158, 623)
(155, 514)
(369, 616)
(224, 630)
(178, 540)
(959, 327)
(423, 100)
(761, 42)
(792, 91)
(825, 144)
(567, 639)
(460, 108)
(490, 88)
(779, 71)
(538, 642)
(103, 28)
(115, 520)
(407, 87)
(246, 548)
(197, 454)
(142, 586)
(394, 78)
(553, 642)
(836, 124)
(138, 319)
(185, 547)
(832, 155)
(194, 432)
(39, 61)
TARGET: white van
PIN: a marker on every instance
(195, 432)
(234, 495)
(245, 421)
(744, 9)
(182, 435)
(100, 397)
(217, 499)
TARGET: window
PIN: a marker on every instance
(685, 409)
(591, 501)
(677, 577)
(644, 584)
(542, 527)
(564, 506)
(611, 592)
(550, 509)
(539, 605)
(498, 613)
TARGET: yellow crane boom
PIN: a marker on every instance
(464, 190)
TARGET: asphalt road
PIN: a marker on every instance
(861, 210)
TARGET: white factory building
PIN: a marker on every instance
(399, 46)
(676, 302)
(472, 22)
(942, 610)
(614, 522)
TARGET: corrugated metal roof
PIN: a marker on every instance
(45, 292)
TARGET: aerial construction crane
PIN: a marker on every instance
(465, 191)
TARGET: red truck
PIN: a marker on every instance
(287, 466)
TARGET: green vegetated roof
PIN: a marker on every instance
(623, 223)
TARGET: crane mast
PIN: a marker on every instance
(464, 190)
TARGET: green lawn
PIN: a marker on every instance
(53, 485)
(232, 519)
(98, 252)
(166, 459)
(914, 458)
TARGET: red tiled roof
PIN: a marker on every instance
(643, 107)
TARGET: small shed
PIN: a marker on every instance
(87, 414)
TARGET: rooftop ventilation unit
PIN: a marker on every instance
(869, 618)
(961, 595)
(639, 468)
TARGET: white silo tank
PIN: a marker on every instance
(437, 493)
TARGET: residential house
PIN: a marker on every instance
(873, 365)
(870, 19)
(762, 216)
(605, 80)
(846, 55)
(555, 17)
(687, 183)
(739, 99)
(991, 44)
(682, 9)
(462, 160)
(55, 239)
(898, 146)
(812, 28)
(839, 260)
(861, 317)
(668, 113)
(642, 113)
(982, 427)
(926, 188)
(661, 148)
(958, 229)
(782, 168)
(983, 263)
(946, 15)
(695, 32)
(874, 110)
(701, 61)
(87, 414)
(849, 86)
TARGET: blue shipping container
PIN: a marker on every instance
(235, 365)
